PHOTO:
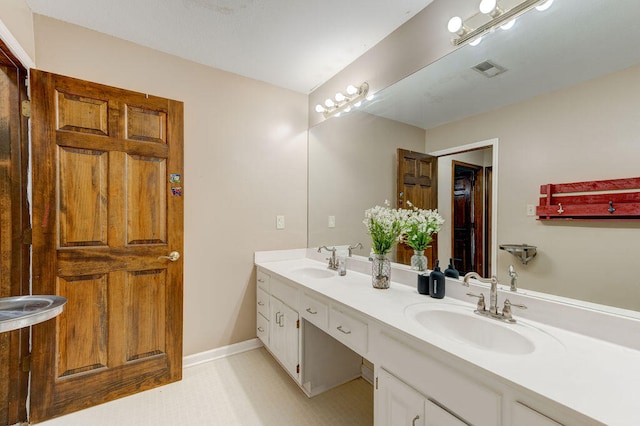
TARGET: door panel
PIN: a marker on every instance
(417, 183)
(105, 213)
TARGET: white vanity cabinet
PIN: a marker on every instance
(398, 404)
(262, 307)
(284, 336)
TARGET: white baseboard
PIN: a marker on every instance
(213, 354)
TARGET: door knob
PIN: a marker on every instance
(173, 256)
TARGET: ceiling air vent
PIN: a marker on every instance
(489, 69)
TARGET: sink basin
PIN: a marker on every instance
(312, 272)
(23, 311)
(462, 325)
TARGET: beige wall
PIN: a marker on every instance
(352, 167)
(16, 17)
(245, 163)
(586, 132)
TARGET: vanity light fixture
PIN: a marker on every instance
(344, 102)
(492, 14)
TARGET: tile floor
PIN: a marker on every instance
(249, 388)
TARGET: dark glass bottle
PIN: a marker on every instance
(451, 271)
(436, 282)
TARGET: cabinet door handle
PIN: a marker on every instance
(311, 312)
(261, 330)
(260, 303)
(278, 317)
(281, 322)
(260, 280)
(340, 329)
(415, 419)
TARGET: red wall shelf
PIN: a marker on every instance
(615, 199)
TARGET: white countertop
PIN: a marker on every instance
(594, 377)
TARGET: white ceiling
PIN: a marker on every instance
(292, 44)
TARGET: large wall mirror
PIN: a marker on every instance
(567, 109)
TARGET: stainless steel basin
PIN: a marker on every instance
(23, 311)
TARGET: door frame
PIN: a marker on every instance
(488, 143)
(15, 226)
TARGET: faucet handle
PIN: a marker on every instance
(506, 310)
(481, 305)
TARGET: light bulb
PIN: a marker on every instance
(475, 42)
(455, 25)
(319, 108)
(357, 104)
(369, 97)
(347, 109)
(488, 6)
(338, 114)
(339, 97)
(352, 90)
(544, 5)
(508, 25)
(329, 103)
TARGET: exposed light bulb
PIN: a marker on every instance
(488, 6)
(352, 90)
(338, 114)
(329, 103)
(475, 42)
(319, 108)
(339, 97)
(369, 97)
(544, 5)
(455, 25)
(347, 109)
(357, 104)
(508, 25)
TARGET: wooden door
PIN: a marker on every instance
(467, 213)
(107, 204)
(14, 225)
(418, 183)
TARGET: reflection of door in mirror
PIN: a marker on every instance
(467, 217)
(417, 183)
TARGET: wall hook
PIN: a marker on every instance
(560, 210)
(611, 209)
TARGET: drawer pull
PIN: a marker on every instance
(415, 419)
(260, 303)
(311, 312)
(261, 330)
(340, 329)
(260, 280)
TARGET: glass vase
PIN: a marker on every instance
(380, 271)
(419, 261)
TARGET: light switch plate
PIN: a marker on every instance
(531, 210)
(279, 222)
(332, 221)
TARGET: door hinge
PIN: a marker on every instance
(26, 108)
(26, 236)
(298, 369)
(26, 364)
(298, 324)
(376, 383)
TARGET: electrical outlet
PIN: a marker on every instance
(531, 210)
(332, 221)
(279, 222)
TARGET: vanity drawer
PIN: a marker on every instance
(263, 279)
(285, 292)
(348, 330)
(262, 329)
(262, 301)
(315, 311)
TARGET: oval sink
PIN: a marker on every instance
(311, 272)
(464, 326)
(23, 311)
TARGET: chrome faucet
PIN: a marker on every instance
(493, 295)
(351, 248)
(514, 278)
(333, 262)
(493, 299)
